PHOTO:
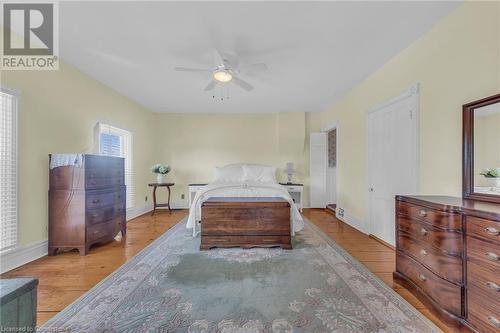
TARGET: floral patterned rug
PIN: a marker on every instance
(172, 286)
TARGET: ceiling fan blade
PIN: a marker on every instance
(188, 69)
(254, 67)
(219, 60)
(211, 85)
(243, 84)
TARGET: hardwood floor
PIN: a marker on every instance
(67, 276)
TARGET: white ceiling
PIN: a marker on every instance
(315, 51)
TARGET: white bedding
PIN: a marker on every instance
(242, 190)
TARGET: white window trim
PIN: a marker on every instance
(17, 95)
(97, 150)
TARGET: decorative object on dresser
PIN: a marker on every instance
(245, 222)
(192, 189)
(155, 204)
(448, 252)
(161, 171)
(86, 201)
(297, 193)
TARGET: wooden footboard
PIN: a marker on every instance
(245, 222)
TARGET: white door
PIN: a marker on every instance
(392, 161)
(318, 166)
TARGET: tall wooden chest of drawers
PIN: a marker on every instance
(448, 254)
(86, 203)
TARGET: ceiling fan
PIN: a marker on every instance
(226, 70)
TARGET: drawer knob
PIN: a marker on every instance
(95, 215)
(422, 213)
(96, 232)
(493, 286)
(492, 231)
(96, 201)
(494, 321)
(423, 252)
(422, 277)
(492, 256)
(423, 231)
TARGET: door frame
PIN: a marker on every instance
(332, 126)
(412, 92)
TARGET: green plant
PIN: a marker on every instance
(160, 168)
(491, 173)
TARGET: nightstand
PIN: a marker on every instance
(192, 189)
(296, 192)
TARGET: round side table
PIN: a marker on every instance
(155, 204)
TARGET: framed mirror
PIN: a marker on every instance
(481, 149)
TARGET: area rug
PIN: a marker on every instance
(172, 286)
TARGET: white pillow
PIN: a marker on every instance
(229, 174)
(259, 173)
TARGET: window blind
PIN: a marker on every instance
(8, 170)
(114, 141)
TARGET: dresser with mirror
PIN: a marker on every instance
(448, 248)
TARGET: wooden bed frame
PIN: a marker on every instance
(245, 222)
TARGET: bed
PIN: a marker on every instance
(243, 181)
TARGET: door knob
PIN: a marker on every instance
(371, 189)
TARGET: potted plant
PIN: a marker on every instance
(160, 170)
(493, 176)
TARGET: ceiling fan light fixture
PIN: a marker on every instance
(223, 76)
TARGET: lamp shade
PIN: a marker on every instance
(289, 171)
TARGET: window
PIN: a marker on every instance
(8, 170)
(114, 141)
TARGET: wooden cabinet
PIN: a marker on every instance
(483, 273)
(245, 222)
(86, 203)
(448, 254)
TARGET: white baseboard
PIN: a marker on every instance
(357, 224)
(23, 255)
(134, 212)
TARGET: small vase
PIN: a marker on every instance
(160, 178)
(494, 182)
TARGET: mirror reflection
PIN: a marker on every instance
(487, 149)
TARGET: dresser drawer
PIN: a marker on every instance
(100, 231)
(104, 214)
(103, 163)
(445, 293)
(104, 182)
(446, 266)
(485, 278)
(434, 217)
(483, 312)
(483, 252)
(483, 228)
(448, 241)
(101, 199)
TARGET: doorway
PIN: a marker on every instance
(392, 160)
(331, 171)
(323, 168)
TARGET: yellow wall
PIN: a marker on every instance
(193, 144)
(457, 61)
(57, 113)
